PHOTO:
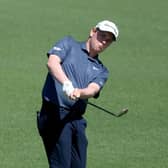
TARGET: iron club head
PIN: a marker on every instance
(123, 111)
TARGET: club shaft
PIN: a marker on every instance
(101, 108)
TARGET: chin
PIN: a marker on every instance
(100, 50)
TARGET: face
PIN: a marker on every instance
(99, 40)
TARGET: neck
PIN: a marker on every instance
(91, 52)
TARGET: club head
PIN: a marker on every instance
(124, 111)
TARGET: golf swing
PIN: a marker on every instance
(75, 74)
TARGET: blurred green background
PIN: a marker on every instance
(138, 80)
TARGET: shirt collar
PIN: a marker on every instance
(83, 47)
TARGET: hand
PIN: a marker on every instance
(67, 88)
(75, 95)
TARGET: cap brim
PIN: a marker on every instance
(107, 30)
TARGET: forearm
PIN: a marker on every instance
(87, 92)
(55, 69)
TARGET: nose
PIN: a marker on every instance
(104, 42)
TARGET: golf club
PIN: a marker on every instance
(122, 112)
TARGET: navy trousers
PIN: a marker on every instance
(63, 135)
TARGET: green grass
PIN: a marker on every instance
(138, 64)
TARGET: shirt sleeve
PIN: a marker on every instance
(101, 78)
(61, 48)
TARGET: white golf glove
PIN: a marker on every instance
(67, 88)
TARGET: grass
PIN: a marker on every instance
(137, 62)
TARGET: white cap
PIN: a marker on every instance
(108, 26)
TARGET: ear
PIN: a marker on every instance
(92, 31)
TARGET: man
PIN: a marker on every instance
(75, 74)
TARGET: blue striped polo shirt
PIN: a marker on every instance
(79, 67)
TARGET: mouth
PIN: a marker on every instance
(100, 48)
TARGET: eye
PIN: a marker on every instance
(105, 36)
(109, 40)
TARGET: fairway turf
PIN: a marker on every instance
(138, 80)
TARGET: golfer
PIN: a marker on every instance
(75, 74)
